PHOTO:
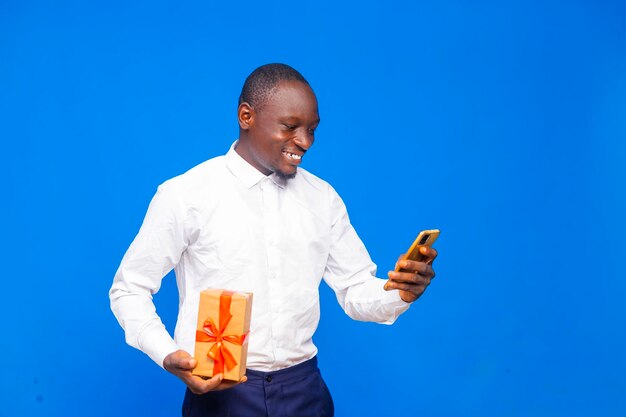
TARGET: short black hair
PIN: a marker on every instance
(261, 83)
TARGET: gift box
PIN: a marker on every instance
(222, 333)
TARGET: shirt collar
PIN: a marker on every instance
(246, 173)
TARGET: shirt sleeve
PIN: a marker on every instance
(351, 273)
(155, 251)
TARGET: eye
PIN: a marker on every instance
(312, 132)
(289, 127)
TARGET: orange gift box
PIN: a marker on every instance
(222, 333)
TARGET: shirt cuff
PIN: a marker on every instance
(393, 302)
(157, 344)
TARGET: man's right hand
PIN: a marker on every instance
(181, 363)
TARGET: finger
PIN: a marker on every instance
(399, 261)
(179, 361)
(407, 277)
(428, 272)
(410, 266)
(214, 382)
(412, 288)
(404, 286)
(200, 386)
(224, 384)
(429, 252)
(229, 384)
(185, 364)
(422, 268)
(189, 363)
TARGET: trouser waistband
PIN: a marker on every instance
(283, 375)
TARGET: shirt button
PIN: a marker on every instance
(268, 378)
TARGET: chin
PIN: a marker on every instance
(285, 175)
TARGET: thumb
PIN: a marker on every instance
(186, 362)
(181, 360)
(191, 363)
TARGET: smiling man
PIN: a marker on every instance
(252, 220)
(277, 128)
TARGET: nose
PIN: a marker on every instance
(304, 140)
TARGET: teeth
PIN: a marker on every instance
(292, 155)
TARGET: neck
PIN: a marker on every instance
(243, 149)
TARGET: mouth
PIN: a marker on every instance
(293, 157)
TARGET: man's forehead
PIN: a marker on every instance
(295, 88)
(291, 95)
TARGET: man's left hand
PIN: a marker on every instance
(413, 277)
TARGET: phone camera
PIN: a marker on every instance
(424, 239)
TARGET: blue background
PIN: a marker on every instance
(501, 123)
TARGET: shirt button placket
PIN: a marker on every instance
(269, 218)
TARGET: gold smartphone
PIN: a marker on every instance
(425, 238)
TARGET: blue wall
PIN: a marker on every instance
(501, 123)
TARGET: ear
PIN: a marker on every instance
(245, 116)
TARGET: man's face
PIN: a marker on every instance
(282, 130)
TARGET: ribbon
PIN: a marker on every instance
(215, 334)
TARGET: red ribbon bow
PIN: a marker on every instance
(213, 334)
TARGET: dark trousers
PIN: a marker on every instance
(298, 391)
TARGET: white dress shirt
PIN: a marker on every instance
(223, 224)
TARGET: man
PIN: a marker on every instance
(251, 220)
